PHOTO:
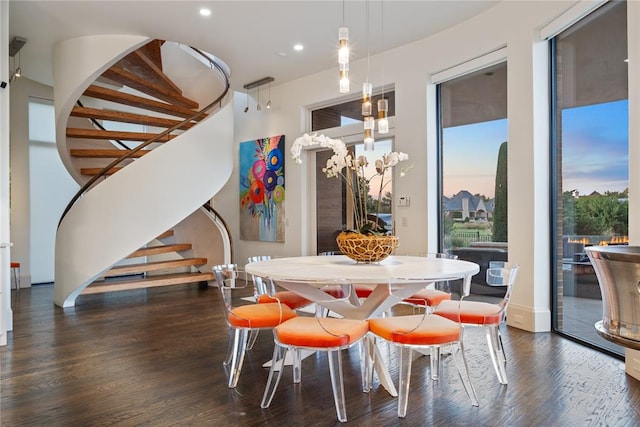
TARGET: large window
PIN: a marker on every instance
(590, 168)
(473, 155)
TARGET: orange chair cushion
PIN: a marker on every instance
(260, 315)
(15, 265)
(430, 297)
(288, 298)
(416, 329)
(362, 291)
(321, 332)
(471, 312)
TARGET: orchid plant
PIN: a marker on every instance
(344, 165)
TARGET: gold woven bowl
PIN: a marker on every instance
(366, 249)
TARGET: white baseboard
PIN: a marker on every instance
(528, 318)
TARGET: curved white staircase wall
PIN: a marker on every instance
(163, 188)
(77, 63)
(149, 196)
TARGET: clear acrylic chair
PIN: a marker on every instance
(361, 291)
(244, 319)
(266, 292)
(421, 332)
(488, 315)
(429, 297)
(324, 334)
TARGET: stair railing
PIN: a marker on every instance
(128, 154)
(207, 206)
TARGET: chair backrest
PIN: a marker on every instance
(229, 278)
(262, 287)
(327, 302)
(503, 276)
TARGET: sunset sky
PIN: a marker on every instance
(595, 151)
(470, 156)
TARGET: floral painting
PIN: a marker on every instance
(262, 189)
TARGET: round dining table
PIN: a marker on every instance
(392, 279)
(405, 274)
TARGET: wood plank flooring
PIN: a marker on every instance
(154, 357)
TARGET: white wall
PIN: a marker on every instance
(6, 314)
(511, 24)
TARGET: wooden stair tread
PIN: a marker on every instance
(104, 153)
(154, 266)
(167, 233)
(125, 117)
(147, 63)
(163, 249)
(107, 94)
(113, 285)
(96, 171)
(119, 135)
(149, 87)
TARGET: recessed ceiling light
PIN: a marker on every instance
(205, 12)
(298, 47)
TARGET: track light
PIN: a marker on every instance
(258, 83)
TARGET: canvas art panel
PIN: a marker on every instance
(262, 189)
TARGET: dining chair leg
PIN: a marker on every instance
(253, 335)
(496, 351)
(366, 363)
(405, 377)
(435, 362)
(227, 358)
(463, 370)
(240, 339)
(277, 365)
(296, 356)
(335, 371)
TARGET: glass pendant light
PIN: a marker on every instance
(343, 55)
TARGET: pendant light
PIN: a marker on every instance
(343, 55)
(259, 107)
(367, 90)
(269, 100)
(383, 104)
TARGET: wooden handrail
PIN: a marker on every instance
(207, 206)
(128, 154)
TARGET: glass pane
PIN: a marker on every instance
(591, 165)
(332, 204)
(473, 146)
(348, 112)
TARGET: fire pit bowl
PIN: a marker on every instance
(618, 271)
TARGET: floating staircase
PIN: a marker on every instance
(130, 107)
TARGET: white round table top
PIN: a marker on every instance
(340, 267)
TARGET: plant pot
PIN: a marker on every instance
(364, 248)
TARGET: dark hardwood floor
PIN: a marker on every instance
(155, 358)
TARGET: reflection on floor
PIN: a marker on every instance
(580, 314)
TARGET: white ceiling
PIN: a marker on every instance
(254, 38)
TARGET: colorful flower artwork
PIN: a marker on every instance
(262, 189)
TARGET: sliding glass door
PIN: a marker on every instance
(590, 168)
